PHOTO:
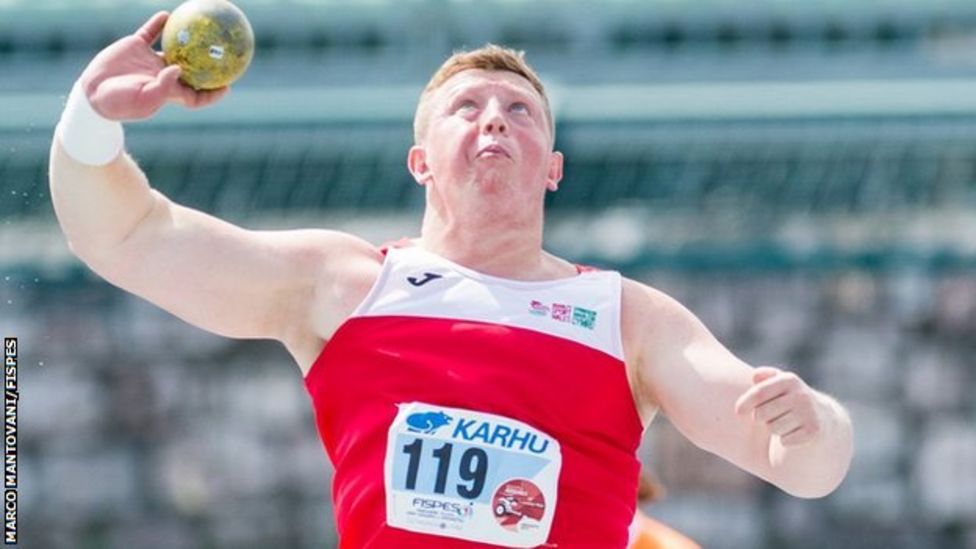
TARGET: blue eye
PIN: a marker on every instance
(467, 104)
(519, 107)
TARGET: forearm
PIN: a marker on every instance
(815, 469)
(97, 206)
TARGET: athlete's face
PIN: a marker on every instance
(487, 130)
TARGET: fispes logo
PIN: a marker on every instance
(427, 422)
(459, 509)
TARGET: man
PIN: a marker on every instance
(471, 389)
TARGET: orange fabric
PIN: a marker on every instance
(652, 534)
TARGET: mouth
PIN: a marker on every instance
(493, 150)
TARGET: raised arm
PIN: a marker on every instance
(220, 277)
(100, 195)
(764, 420)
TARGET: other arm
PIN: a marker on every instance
(764, 420)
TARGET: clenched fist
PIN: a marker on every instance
(784, 404)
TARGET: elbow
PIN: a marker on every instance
(91, 256)
(81, 251)
(100, 246)
(89, 253)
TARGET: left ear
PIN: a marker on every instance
(555, 174)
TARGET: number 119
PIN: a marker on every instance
(473, 468)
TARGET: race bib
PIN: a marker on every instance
(470, 475)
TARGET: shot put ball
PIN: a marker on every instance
(211, 40)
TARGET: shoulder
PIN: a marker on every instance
(646, 307)
(337, 270)
(652, 319)
(336, 263)
(322, 257)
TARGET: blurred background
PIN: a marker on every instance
(802, 175)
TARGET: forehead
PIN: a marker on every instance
(473, 80)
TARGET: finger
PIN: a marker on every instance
(797, 437)
(209, 97)
(151, 30)
(763, 373)
(184, 94)
(773, 409)
(163, 86)
(759, 394)
(195, 99)
(784, 424)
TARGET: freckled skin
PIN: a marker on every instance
(220, 43)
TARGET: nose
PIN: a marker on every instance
(493, 121)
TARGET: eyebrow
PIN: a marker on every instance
(462, 90)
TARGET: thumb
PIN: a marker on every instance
(762, 373)
(159, 90)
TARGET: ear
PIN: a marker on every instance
(417, 164)
(555, 174)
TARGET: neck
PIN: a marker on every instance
(507, 245)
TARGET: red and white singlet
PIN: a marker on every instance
(463, 410)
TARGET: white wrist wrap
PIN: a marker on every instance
(85, 135)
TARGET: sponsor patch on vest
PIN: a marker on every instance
(561, 312)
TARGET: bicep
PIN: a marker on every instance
(696, 382)
(218, 276)
(697, 386)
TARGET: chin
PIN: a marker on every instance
(490, 177)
